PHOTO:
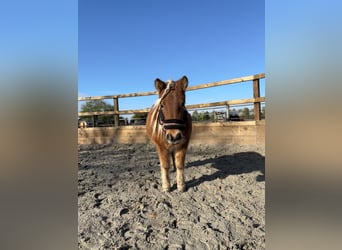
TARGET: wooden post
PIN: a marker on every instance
(116, 109)
(227, 112)
(95, 121)
(256, 94)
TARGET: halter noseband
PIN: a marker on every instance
(170, 123)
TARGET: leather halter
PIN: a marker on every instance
(170, 123)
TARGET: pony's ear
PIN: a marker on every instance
(184, 82)
(159, 84)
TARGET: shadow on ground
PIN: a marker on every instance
(236, 164)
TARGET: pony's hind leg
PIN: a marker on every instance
(164, 169)
(173, 162)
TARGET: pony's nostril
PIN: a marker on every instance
(175, 138)
(178, 137)
(169, 137)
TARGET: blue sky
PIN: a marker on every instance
(38, 34)
(124, 45)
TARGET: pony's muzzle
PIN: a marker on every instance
(174, 138)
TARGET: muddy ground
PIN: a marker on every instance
(121, 204)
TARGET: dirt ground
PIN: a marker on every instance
(121, 204)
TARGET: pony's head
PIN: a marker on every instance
(171, 108)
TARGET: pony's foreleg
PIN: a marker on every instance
(164, 169)
(180, 159)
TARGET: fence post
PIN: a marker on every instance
(227, 112)
(256, 94)
(116, 109)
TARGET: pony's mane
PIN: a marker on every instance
(156, 128)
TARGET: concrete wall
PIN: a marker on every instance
(246, 132)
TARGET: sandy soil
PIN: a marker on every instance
(121, 205)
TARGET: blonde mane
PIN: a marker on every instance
(157, 129)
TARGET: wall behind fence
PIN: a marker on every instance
(245, 132)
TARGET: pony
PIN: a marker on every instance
(169, 126)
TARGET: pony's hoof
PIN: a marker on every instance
(181, 188)
(166, 189)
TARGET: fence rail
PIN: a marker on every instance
(256, 100)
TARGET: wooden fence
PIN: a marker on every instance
(255, 100)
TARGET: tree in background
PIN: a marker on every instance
(97, 106)
(139, 118)
(205, 116)
(245, 113)
(201, 116)
(195, 116)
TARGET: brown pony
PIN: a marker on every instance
(169, 127)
